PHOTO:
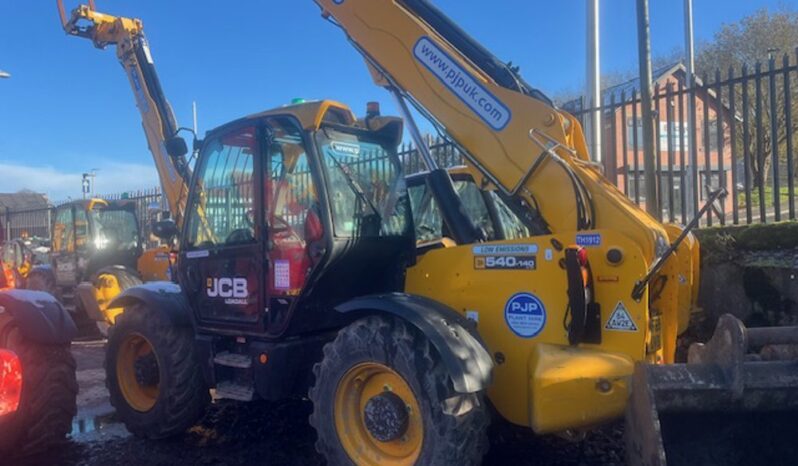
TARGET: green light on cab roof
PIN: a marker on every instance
(297, 101)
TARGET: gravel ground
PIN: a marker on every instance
(269, 433)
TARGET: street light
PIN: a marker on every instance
(4, 74)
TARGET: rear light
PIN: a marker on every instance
(581, 255)
(10, 382)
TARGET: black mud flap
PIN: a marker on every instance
(734, 403)
(462, 350)
(40, 317)
(164, 297)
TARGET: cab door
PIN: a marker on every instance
(64, 254)
(221, 262)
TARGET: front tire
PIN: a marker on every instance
(382, 394)
(152, 374)
(49, 392)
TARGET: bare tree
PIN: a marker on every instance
(758, 41)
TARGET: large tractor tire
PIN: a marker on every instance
(382, 395)
(152, 374)
(121, 278)
(49, 391)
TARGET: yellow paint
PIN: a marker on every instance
(138, 396)
(575, 388)
(354, 390)
(105, 291)
(153, 265)
(449, 276)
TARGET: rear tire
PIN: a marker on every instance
(449, 429)
(49, 392)
(153, 401)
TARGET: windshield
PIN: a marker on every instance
(431, 227)
(368, 195)
(114, 229)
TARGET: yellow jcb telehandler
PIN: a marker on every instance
(299, 273)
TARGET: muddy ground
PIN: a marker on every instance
(267, 433)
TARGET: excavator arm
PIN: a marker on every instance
(158, 120)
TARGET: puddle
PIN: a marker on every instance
(89, 426)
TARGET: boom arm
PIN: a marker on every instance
(509, 131)
(158, 120)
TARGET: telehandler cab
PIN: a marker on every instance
(298, 265)
(96, 253)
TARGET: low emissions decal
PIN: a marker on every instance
(487, 107)
(505, 257)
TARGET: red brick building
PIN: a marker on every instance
(622, 143)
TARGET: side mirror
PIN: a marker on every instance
(165, 229)
(176, 146)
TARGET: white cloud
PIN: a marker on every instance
(61, 184)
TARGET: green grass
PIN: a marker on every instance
(784, 196)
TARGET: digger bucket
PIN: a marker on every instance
(734, 402)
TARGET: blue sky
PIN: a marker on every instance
(68, 107)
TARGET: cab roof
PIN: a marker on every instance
(310, 115)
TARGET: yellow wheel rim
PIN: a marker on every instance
(361, 384)
(140, 394)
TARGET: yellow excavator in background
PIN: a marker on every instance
(298, 268)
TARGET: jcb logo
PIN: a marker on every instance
(227, 288)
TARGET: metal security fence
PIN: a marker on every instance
(30, 223)
(736, 129)
(38, 222)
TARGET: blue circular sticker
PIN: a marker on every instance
(525, 315)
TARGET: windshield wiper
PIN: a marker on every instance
(355, 186)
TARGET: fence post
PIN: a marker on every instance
(644, 51)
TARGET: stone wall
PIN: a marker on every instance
(750, 272)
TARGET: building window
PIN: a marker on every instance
(634, 131)
(713, 135)
(675, 129)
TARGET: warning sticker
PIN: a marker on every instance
(282, 274)
(620, 320)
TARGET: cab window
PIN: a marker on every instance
(222, 210)
(63, 230)
(512, 226)
(429, 221)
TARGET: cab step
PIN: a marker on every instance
(233, 391)
(228, 359)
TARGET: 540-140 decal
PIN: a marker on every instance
(505, 262)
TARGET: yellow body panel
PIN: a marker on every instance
(573, 388)
(449, 275)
